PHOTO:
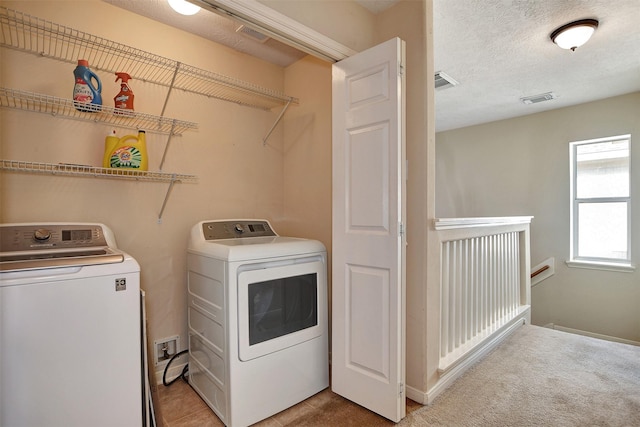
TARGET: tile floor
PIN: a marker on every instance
(180, 406)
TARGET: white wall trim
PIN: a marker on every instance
(416, 395)
(591, 334)
(550, 263)
(173, 372)
(607, 266)
(447, 223)
(426, 398)
(273, 23)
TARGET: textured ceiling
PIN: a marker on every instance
(498, 50)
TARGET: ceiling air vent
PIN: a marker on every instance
(443, 80)
(251, 33)
(539, 98)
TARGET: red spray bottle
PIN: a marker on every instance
(124, 98)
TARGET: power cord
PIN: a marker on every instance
(183, 375)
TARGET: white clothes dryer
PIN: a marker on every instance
(257, 312)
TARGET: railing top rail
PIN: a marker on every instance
(453, 223)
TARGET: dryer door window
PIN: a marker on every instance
(279, 307)
(282, 306)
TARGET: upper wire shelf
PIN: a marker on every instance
(28, 33)
(30, 101)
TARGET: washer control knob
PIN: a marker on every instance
(42, 234)
(238, 228)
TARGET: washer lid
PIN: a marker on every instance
(246, 239)
(255, 248)
(39, 260)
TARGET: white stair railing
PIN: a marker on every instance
(484, 282)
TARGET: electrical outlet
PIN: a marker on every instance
(164, 349)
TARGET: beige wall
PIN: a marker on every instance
(237, 176)
(307, 151)
(307, 154)
(521, 167)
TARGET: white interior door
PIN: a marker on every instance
(368, 297)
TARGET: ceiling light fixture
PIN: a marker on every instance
(574, 34)
(183, 7)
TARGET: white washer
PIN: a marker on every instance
(257, 304)
(70, 352)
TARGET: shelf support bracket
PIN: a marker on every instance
(166, 197)
(264, 140)
(173, 81)
(173, 125)
(166, 147)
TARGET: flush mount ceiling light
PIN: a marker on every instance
(183, 7)
(574, 34)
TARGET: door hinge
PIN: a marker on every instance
(401, 229)
(400, 389)
(401, 68)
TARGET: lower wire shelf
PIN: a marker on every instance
(70, 169)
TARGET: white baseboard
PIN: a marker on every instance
(590, 334)
(174, 371)
(445, 380)
(416, 395)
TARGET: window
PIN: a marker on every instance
(601, 201)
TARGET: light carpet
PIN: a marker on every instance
(542, 377)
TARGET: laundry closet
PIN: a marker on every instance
(223, 169)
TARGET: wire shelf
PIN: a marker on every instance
(35, 102)
(66, 169)
(44, 38)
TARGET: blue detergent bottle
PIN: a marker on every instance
(87, 88)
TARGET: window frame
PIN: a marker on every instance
(575, 260)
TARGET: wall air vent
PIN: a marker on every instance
(251, 33)
(444, 81)
(538, 98)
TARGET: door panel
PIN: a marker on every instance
(368, 333)
(369, 86)
(368, 353)
(367, 172)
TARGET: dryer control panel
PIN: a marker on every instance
(233, 229)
